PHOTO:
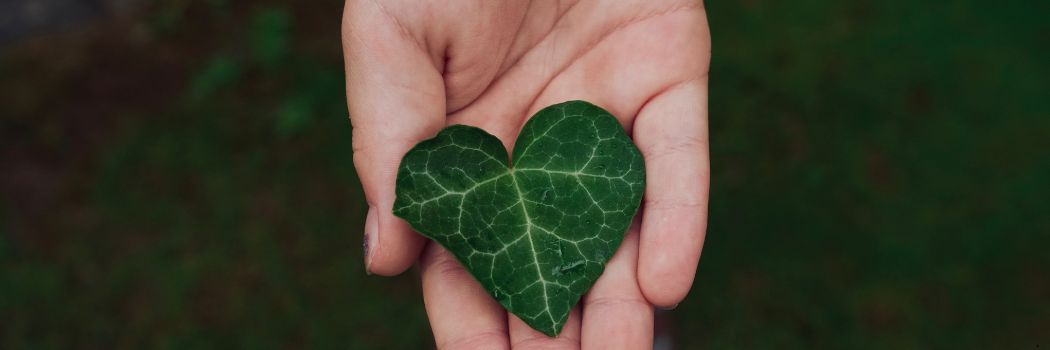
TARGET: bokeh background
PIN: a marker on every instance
(178, 175)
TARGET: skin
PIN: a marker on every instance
(414, 67)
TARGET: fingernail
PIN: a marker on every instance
(669, 308)
(371, 229)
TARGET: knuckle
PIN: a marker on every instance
(673, 203)
(544, 343)
(358, 148)
(444, 266)
(673, 145)
(481, 340)
(608, 301)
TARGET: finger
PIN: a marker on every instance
(396, 98)
(524, 337)
(462, 315)
(671, 132)
(615, 314)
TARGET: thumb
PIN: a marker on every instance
(396, 98)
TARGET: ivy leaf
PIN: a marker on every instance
(536, 234)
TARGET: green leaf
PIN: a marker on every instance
(538, 234)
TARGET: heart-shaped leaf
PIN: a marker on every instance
(536, 234)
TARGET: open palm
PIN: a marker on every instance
(414, 67)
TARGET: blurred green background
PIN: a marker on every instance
(178, 174)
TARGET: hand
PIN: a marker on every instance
(414, 67)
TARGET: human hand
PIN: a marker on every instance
(414, 67)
